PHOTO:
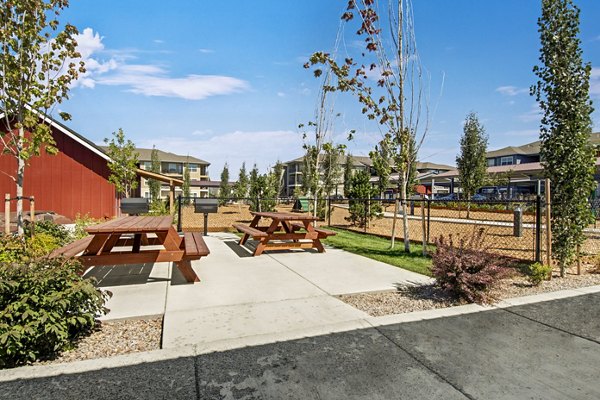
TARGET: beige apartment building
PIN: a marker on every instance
(174, 165)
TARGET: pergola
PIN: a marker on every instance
(172, 182)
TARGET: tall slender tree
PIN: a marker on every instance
(241, 186)
(348, 172)
(562, 92)
(38, 63)
(382, 164)
(398, 102)
(153, 184)
(123, 163)
(186, 188)
(224, 188)
(471, 162)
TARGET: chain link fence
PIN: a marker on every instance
(512, 228)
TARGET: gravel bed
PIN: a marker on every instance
(112, 338)
(428, 297)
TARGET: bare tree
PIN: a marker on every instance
(398, 102)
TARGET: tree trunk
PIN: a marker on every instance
(394, 219)
(19, 182)
(405, 218)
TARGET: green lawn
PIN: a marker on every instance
(379, 249)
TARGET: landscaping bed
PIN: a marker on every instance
(113, 338)
(428, 297)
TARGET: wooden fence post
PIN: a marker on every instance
(7, 213)
(548, 226)
(32, 214)
(424, 226)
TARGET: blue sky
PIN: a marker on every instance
(223, 80)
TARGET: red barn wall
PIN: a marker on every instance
(75, 181)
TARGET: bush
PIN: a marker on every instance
(58, 232)
(81, 222)
(41, 245)
(44, 305)
(536, 273)
(15, 249)
(466, 271)
(12, 249)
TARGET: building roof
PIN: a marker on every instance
(360, 161)
(532, 148)
(164, 156)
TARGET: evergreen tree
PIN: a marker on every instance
(153, 184)
(123, 163)
(255, 189)
(381, 158)
(186, 187)
(278, 172)
(361, 209)
(471, 163)
(562, 92)
(224, 188)
(241, 187)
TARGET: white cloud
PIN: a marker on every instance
(525, 134)
(158, 41)
(595, 82)
(261, 147)
(511, 90)
(147, 79)
(533, 115)
(280, 94)
(206, 51)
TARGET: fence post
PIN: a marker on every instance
(538, 228)
(32, 214)
(179, 213)
(428, 218)
(424, 227)
(548, 225)
(7, 213)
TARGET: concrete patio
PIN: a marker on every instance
(245, 300)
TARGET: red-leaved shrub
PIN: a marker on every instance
(467, 270)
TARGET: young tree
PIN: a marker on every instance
(381, 158)
(153, 184)
(566, 153)
(187, 185)
(278, 171)
(361, 210)
(38, 64)
(123, 163)
(255, 189)
(332, 167)
(471, 163)
(224, 188)
(348, 173)
(398, 101)
(241, 187)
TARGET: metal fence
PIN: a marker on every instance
(513, 228)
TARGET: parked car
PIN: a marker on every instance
(449, 197)
(479, 197)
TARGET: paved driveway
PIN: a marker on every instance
(548, 350)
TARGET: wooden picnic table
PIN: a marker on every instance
(136, 233)
(285, 231)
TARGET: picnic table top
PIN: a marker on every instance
(133, 224)
(285, 216)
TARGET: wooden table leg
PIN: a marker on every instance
(253, 224)
(316, 242)
(96, 244)
(185, 267)
(137, 241)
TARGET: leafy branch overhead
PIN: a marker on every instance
(396, 102)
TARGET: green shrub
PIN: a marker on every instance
(536, 273)
(59, 232)
(41, 245)
(466, 271)
(12, 249)
(44, 305)
(81, 222)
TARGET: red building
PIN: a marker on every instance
(75, 181)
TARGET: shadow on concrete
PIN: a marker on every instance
(120, 275)
(240, 251)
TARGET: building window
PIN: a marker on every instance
(193, 167)
(491, 162)
(147, 195)
(147, 165)
(174, 168)
(506, 160)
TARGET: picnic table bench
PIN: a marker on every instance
(298, 232)
(136, 233)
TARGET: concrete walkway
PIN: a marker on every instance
(248, 300)
(537, 350)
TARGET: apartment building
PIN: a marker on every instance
(174, 165)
